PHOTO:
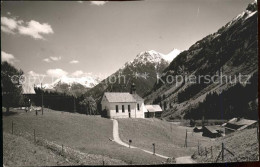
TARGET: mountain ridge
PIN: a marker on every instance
(230, 50)
(142, 71)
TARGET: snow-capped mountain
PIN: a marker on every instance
(153, 57)
(142, 71)
(86, 81)
(149, 56)
(172, 55)
(146, 57)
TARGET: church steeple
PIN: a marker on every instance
(133, 89)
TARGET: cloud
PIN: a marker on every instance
(9, 22)
(6, 30)
(55, 58)
(7, 57)
(35, 29)
(52, 59)
(98, 3)
(47, 60)
(32, 28)
(8, 25)
(57, 73)
(74, 61)
(77, 73)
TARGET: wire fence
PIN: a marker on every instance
(70, 154)
(216, 154)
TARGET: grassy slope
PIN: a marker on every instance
(88, 134)
(169, 139)
(243, 144)
(21, 151)
(17, 151)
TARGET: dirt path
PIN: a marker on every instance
(180, 160)
(119, 141)
(184, 160)
(116, 135)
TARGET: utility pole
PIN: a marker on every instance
(12, 127)
(74, 104)
(42, 98)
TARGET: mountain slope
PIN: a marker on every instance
(231, 50)
(142, 71)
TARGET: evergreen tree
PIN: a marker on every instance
(11, 85)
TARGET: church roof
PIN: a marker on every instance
(122, 97)
(137, 97)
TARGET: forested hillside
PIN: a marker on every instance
(231, 52)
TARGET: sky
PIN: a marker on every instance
(76, 38)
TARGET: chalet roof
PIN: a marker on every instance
(239, 124)
(213, 129)
(153, 108)
(241, 121)
(122, 97)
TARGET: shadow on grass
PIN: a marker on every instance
(9, 113)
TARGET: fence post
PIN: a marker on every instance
(257, 133)
(198, 147)
(12, 127)
(130, 141)
(62, 149)
(185, 145)
(211, 152)
(34, 136)
(42, 98)
(103, 162)
(153, 148)
(222, 152)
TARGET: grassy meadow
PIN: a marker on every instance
(169, 138)
(87, 134)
